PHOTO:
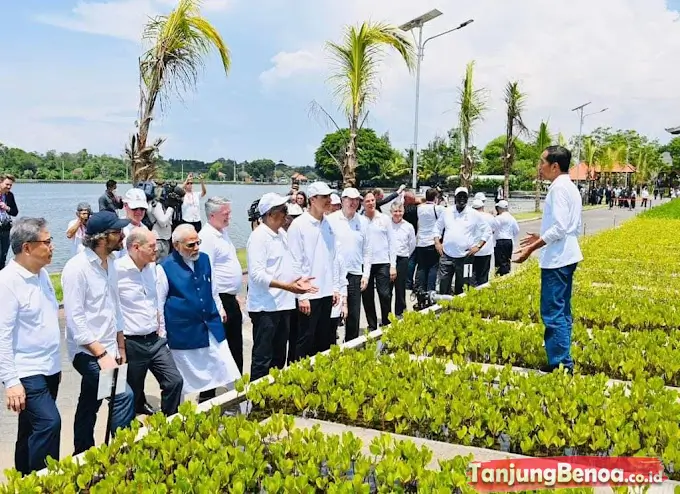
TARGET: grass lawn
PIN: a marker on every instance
(56, 277)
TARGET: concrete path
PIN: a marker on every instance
(69, 390)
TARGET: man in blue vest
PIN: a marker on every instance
(192, 316)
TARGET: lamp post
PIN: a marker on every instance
(582, 117)
(420, 47)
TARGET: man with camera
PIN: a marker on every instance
(76, 228)
(8, 208)
(162, 207)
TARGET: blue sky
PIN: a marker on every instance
(68, 75)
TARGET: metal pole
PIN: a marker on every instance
(580, 137)
(415, 130)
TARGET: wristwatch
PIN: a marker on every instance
(101, 355)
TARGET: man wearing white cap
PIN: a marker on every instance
(135, 206)
(351, 231)
(335, 204)
(271, 286)
(506, 232)
(481, 263)
(312, 244)
(462, 233)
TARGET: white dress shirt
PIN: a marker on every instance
(462, 231)
(91, 303)
(138, 299)
(269, 258)
(201, 368)
(353, 242)
(428, 215)
(561, 224)
(162, 221)
(487, 250)
(312, 244)
(29, 325)
(191, 207)
(404, 238)
(77, 240)
(507, 227)
(341, 268)
(383, 246)
(226, 269)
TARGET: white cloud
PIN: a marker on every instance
(619, 54)
(287, 64)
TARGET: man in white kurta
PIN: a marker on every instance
(191, 316)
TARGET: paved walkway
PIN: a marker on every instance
(593, 220)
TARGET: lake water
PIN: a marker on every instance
(57, 202)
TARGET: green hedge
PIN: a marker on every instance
(668, 211)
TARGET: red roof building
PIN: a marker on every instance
(580, 172)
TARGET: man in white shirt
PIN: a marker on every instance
(560, 227)
(30, 364)
(481, 263)
(505, 235)
(313, 246)
(461, 233)
(351, 232)
(191, 204)
(426, 254)
(144, 347)
(94, 323)
(272, 286)
(135, 206)
(192, 317)
(404, 237)
(75, 231)
(226, 271)
(383, 264)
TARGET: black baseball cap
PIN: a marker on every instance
(103, 221)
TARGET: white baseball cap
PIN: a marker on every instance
(294, 209)
(502, 204)
(459, 190)
(351, 192)
(335, 199)
(135, 199)
(318, 189)
(271, 200)
(477, 204)
(481, 196)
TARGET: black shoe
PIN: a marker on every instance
(146, 409)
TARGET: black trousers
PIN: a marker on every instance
(293, 332)
(378, 281)
(480, 269)
(151, 353)
(4, 246)
(315, 329)
(270, 337)
(400, 285)
(426, 274)
(503, 256)
(450, 268)
(353, 317)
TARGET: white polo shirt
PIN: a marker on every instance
(462, 231)
(353, 242)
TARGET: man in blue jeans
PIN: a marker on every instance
(560, 228)
(30, 364)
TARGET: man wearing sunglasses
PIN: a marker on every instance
(135, 206)
(94, 323)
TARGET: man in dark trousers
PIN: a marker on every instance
(109, 201)
(8, 209)
(560, 228)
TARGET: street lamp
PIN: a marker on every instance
(582, 117)
(409, 26)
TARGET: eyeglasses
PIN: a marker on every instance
(191, 245)
(47, 242)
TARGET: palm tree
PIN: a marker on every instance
(543, 140)
(611, 156)
(180, 43)
(473, 104)
(395, 169)
(590, 154)
(514, 127)
(356, 79)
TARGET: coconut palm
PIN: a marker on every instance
(396, 168)
(611, 156)
(543, 140)
(515, 101)
(355, 76)
(473, 104)
(591, 156)
(179, 45)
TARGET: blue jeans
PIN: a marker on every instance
(88, 404)
(39, 423)
(556, 285)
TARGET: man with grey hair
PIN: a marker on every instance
(226, 269)
(94, 323)
(30, 364)
(191, 315)
(145, 347)
(76, 228)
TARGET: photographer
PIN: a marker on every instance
(8, 208)
(160, 213)
(76, 228)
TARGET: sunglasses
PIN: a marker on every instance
(191, 245)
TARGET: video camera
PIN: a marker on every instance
(253, 212)
(169, 194)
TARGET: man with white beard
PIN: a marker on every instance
(191, 316)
